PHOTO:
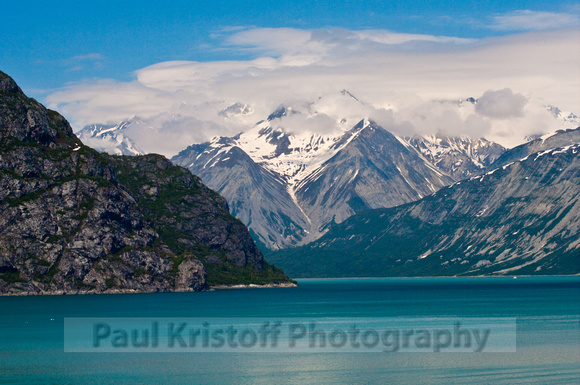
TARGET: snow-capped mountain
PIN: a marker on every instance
(308, 164)
(288, 187)
(236, 109)
(568, 119)
(292, 156)
(560, 138)
(460, 157)
(519, 219)
(112, 139)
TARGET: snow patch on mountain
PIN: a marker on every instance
(567, 118)
(236, 109)
(112, 139)
(460, 157)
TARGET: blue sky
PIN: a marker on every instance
(48, 44)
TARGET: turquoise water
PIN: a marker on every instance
(547, 310)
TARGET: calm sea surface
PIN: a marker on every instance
(547, 312)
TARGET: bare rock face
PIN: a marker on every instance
(188, 276)
(73, 220)
(27, 121)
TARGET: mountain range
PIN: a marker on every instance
(289, 184)
(349, 199)
(522, 218)
(289, 187)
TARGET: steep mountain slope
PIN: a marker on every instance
(288, 187)
(373, 169)
(557, 139)
(257, 196)
(459, 157)
(73, 220)
(523, 218)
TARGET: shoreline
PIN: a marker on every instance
(445, 276)
(131, 291)
(254, 286)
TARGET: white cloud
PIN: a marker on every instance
(443, 117)
(385, 70)
(501, 104)
(526, 20)
(388, 37)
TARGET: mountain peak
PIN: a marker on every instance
(280, 112)
(365, 123)
(519, 219)
(460, 157)
(7, 84)
(556, 112)
(236, 109)
(26, 120)
(560, 138)
(112, 138)
(347, 93)
(294, 184)
(567, 118)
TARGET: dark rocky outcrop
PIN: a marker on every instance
(73, 220)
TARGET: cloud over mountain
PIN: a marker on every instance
(501, 104)
(400, 78)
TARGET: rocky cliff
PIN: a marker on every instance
(73, 220)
